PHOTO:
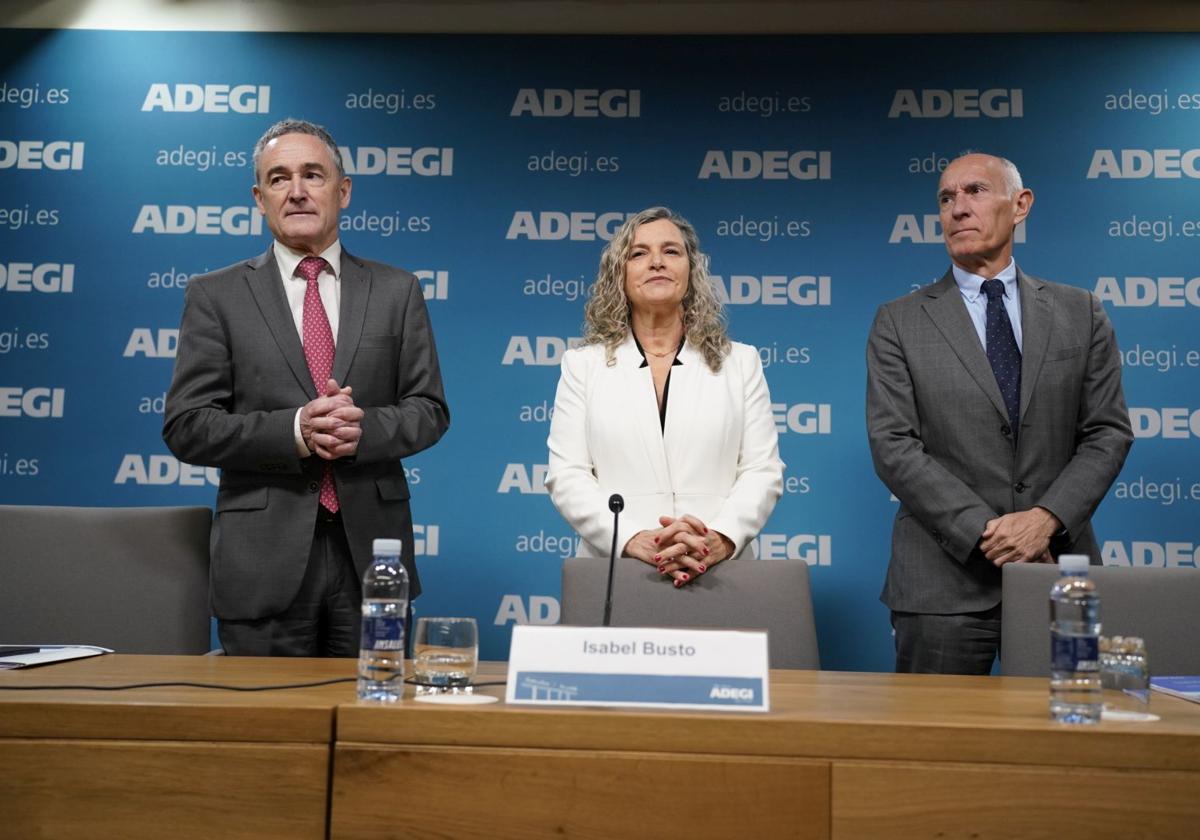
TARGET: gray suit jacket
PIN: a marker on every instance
(941, 442)
(240, 375)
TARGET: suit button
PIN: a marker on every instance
(313, 487)
(1005, 430)
(1020, 487)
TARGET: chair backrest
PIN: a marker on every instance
(131, 579)
(742, 594)
(1157, 603)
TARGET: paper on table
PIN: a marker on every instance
(1184, 687)
(51, 653)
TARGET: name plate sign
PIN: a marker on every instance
(639, 666)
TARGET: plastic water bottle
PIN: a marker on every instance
(1075, 693)
(384, 608)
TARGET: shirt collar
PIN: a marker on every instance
(971, 285)
(287, 259)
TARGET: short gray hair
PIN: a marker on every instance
(294, 126)
(1012, 175)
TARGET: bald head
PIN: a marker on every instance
(980, 202)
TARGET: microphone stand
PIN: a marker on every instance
(616, 504)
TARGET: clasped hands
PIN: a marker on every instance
(1022, 537)
(682, 549)
(332, 424)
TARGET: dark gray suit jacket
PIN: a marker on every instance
(240, 376)
(941, 442)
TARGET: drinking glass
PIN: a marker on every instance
(445, 654)
(1124, 676)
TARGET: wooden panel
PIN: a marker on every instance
(459, 792)
(144, 718)
(176, 713)
(1031, 739)
(145, 789)
(206, 763)
(908, 800)
(819, 714)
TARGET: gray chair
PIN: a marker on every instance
(1157, 603)
(742, 594)
(131, 579)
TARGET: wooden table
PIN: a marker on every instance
(840, 755)
(169, 762)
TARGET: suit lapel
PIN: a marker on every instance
(686, 386)
(1035, 333)
(949, 314)
(267, 288)
(356, 286)
(642, 410)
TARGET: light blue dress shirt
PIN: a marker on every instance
(971, 287)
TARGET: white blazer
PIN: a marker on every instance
(717, 458)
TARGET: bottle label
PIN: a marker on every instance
(1075, 653)
(382, 633)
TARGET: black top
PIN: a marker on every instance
(662, 412)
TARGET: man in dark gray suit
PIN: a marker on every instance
(308, 431)
(995, 414)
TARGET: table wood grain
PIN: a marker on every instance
(839, 755)
(169, 762)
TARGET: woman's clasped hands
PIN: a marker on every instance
(683, 548)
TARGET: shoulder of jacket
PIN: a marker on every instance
(584, 354)
(1067, 295)
(382, 270)
(225, 273)
(742, 353)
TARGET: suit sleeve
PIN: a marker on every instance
(571, 474)
(759, 481)
(1102, 432)
(951, 511)
(199, 425)
(419, 416)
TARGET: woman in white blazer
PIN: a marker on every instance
(660, 406)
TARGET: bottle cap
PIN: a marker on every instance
(1073, 564)
(384, 546)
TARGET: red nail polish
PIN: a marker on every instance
(678, 584)
(706, 550)
(685, 575)
(658, 557)
(656, 538)
(704, 568)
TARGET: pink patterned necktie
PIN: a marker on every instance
(318, 350)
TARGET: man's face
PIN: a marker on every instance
(978, 215)
(299, 192)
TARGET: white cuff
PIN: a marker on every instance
(302, 449)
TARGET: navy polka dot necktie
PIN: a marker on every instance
(1002, 351)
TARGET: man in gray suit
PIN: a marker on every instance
(995, 414)
(308, 431)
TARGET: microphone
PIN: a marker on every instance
(616, 504)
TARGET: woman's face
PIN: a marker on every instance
(656, 270)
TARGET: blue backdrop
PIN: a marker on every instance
(495, 167)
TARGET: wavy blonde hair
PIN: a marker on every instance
(606, 317)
